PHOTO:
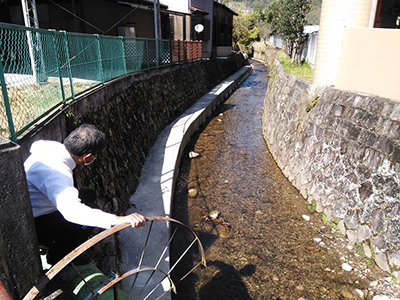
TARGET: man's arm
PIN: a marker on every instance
(136, 220)
(58, 187)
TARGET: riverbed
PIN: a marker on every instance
(261, 238)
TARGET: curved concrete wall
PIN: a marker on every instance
(341, 150)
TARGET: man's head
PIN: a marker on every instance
(85, 143)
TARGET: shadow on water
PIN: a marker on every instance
(227, 282)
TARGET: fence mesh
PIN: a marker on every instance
(28, 76)
(41, 69)
(135, 54)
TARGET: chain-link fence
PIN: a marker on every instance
(42, 69)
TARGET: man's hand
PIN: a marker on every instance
(135, 219)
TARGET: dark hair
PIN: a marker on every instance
(84, 140)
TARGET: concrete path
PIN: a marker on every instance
(155, 191)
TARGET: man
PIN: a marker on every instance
(62, 220)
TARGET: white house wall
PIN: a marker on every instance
(335, 16)
(177, 5)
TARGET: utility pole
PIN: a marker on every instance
(30, 13)
(31, 20)
(157, 29)
(157, 19)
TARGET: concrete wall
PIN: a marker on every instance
(335, 16)
(132, 111)
(207, 6)
(369, 62)
(341, 151)
(19, 253)
(177, 5)
(308, 49)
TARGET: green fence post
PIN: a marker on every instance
(162, 53)
(123, 54)
(7, 104)
(99, 58)
(58, 64)
(170, 52)
(68, 64)
(147, 54)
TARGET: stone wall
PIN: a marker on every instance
(132, 111)
(19, 253)
(133, 118)
(341, 150)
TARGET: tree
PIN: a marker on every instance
(289, 18)
(272, 15)
(282, 17)
(313, 16)
(246, 27)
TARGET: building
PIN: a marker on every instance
(215, 19)
(358, 46)
(135, 18)
(128, 17)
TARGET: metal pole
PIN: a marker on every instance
(58, 64)
(31, 20)
(99, 58)
(71, 83)
(27, 21)
(123, 54)
(7, 104)
(147, 53)
(170, 52)
(157, 28)
(35, 16)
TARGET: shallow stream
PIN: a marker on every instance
(251, 220)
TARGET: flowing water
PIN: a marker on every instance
(250, 218)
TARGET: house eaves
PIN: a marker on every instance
(196, 10)
(142, 4)
(226, 8)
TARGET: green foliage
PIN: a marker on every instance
(313, 206)
(314, 101)
(254, 34)
(302, 71)
(257, 19)
(327, 222)
(272, 16)
(249, 26)
(359, 248)
(289, 17)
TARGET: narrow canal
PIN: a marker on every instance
(251, 220)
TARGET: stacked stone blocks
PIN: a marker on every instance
(341, 150)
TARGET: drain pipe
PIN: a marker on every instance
(4, 295)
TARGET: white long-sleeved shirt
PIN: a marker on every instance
(51, 186)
